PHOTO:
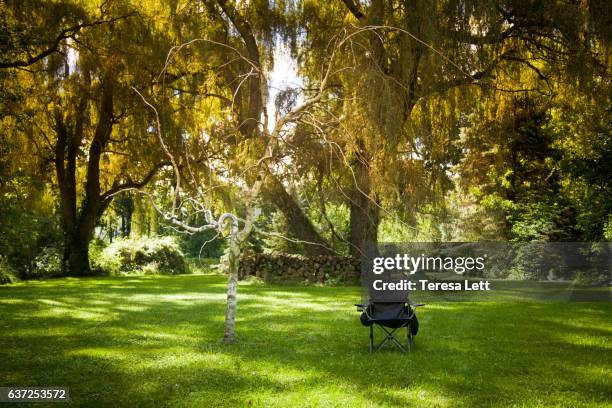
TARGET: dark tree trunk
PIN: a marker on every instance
(76, 246)
(363, 224)
(69, 139)
(79, 226)
(78, 260)
(299, 224)
(127, 212)
(364, 215)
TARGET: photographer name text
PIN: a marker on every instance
(424, 284)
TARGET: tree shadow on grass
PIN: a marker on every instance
(476, 361)
(129, 348)
(146, 341)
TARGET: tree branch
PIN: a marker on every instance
(354, 9)
(130, 184)
(64, 34)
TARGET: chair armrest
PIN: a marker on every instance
(413, 307)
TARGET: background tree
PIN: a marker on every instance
(78, 117)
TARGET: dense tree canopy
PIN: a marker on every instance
(412, 120)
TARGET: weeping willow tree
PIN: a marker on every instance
(77, 113)
(417, 69)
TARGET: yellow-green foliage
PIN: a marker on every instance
(145, 256)
(7, 273)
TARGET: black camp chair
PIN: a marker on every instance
(390, 317)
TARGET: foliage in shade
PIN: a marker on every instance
(144, 256)
(202, 244)
(7, 272)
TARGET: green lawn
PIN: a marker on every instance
(153, 341)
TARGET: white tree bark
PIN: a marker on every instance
(231, 262)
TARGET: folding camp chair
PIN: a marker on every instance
(390, 317)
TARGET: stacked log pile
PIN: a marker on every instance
(317, 269)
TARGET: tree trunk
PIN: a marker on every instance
(364, 215)
(364, 219)
(232, 263)
(237, 239)
(249, 120)
(299, 224)
(126, 224)
(79, 226)
(76, 247)
(78, 259)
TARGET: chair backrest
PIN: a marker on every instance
(388, 310)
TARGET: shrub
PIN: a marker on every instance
(585, 278)
(96, 246)
(47, 264)
(24, 233)
(7, 272)
(145, 256)
(202, 244)
(516, 273)
(203, 265)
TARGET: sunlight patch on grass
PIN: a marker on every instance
(179, 299)
(50, 302)
(12, 301)
(586, 341)
(283, 302)
(75, 313)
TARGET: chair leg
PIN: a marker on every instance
(389, 336)
(371, 338)
(409, 337)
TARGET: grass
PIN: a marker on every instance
(153, 341)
